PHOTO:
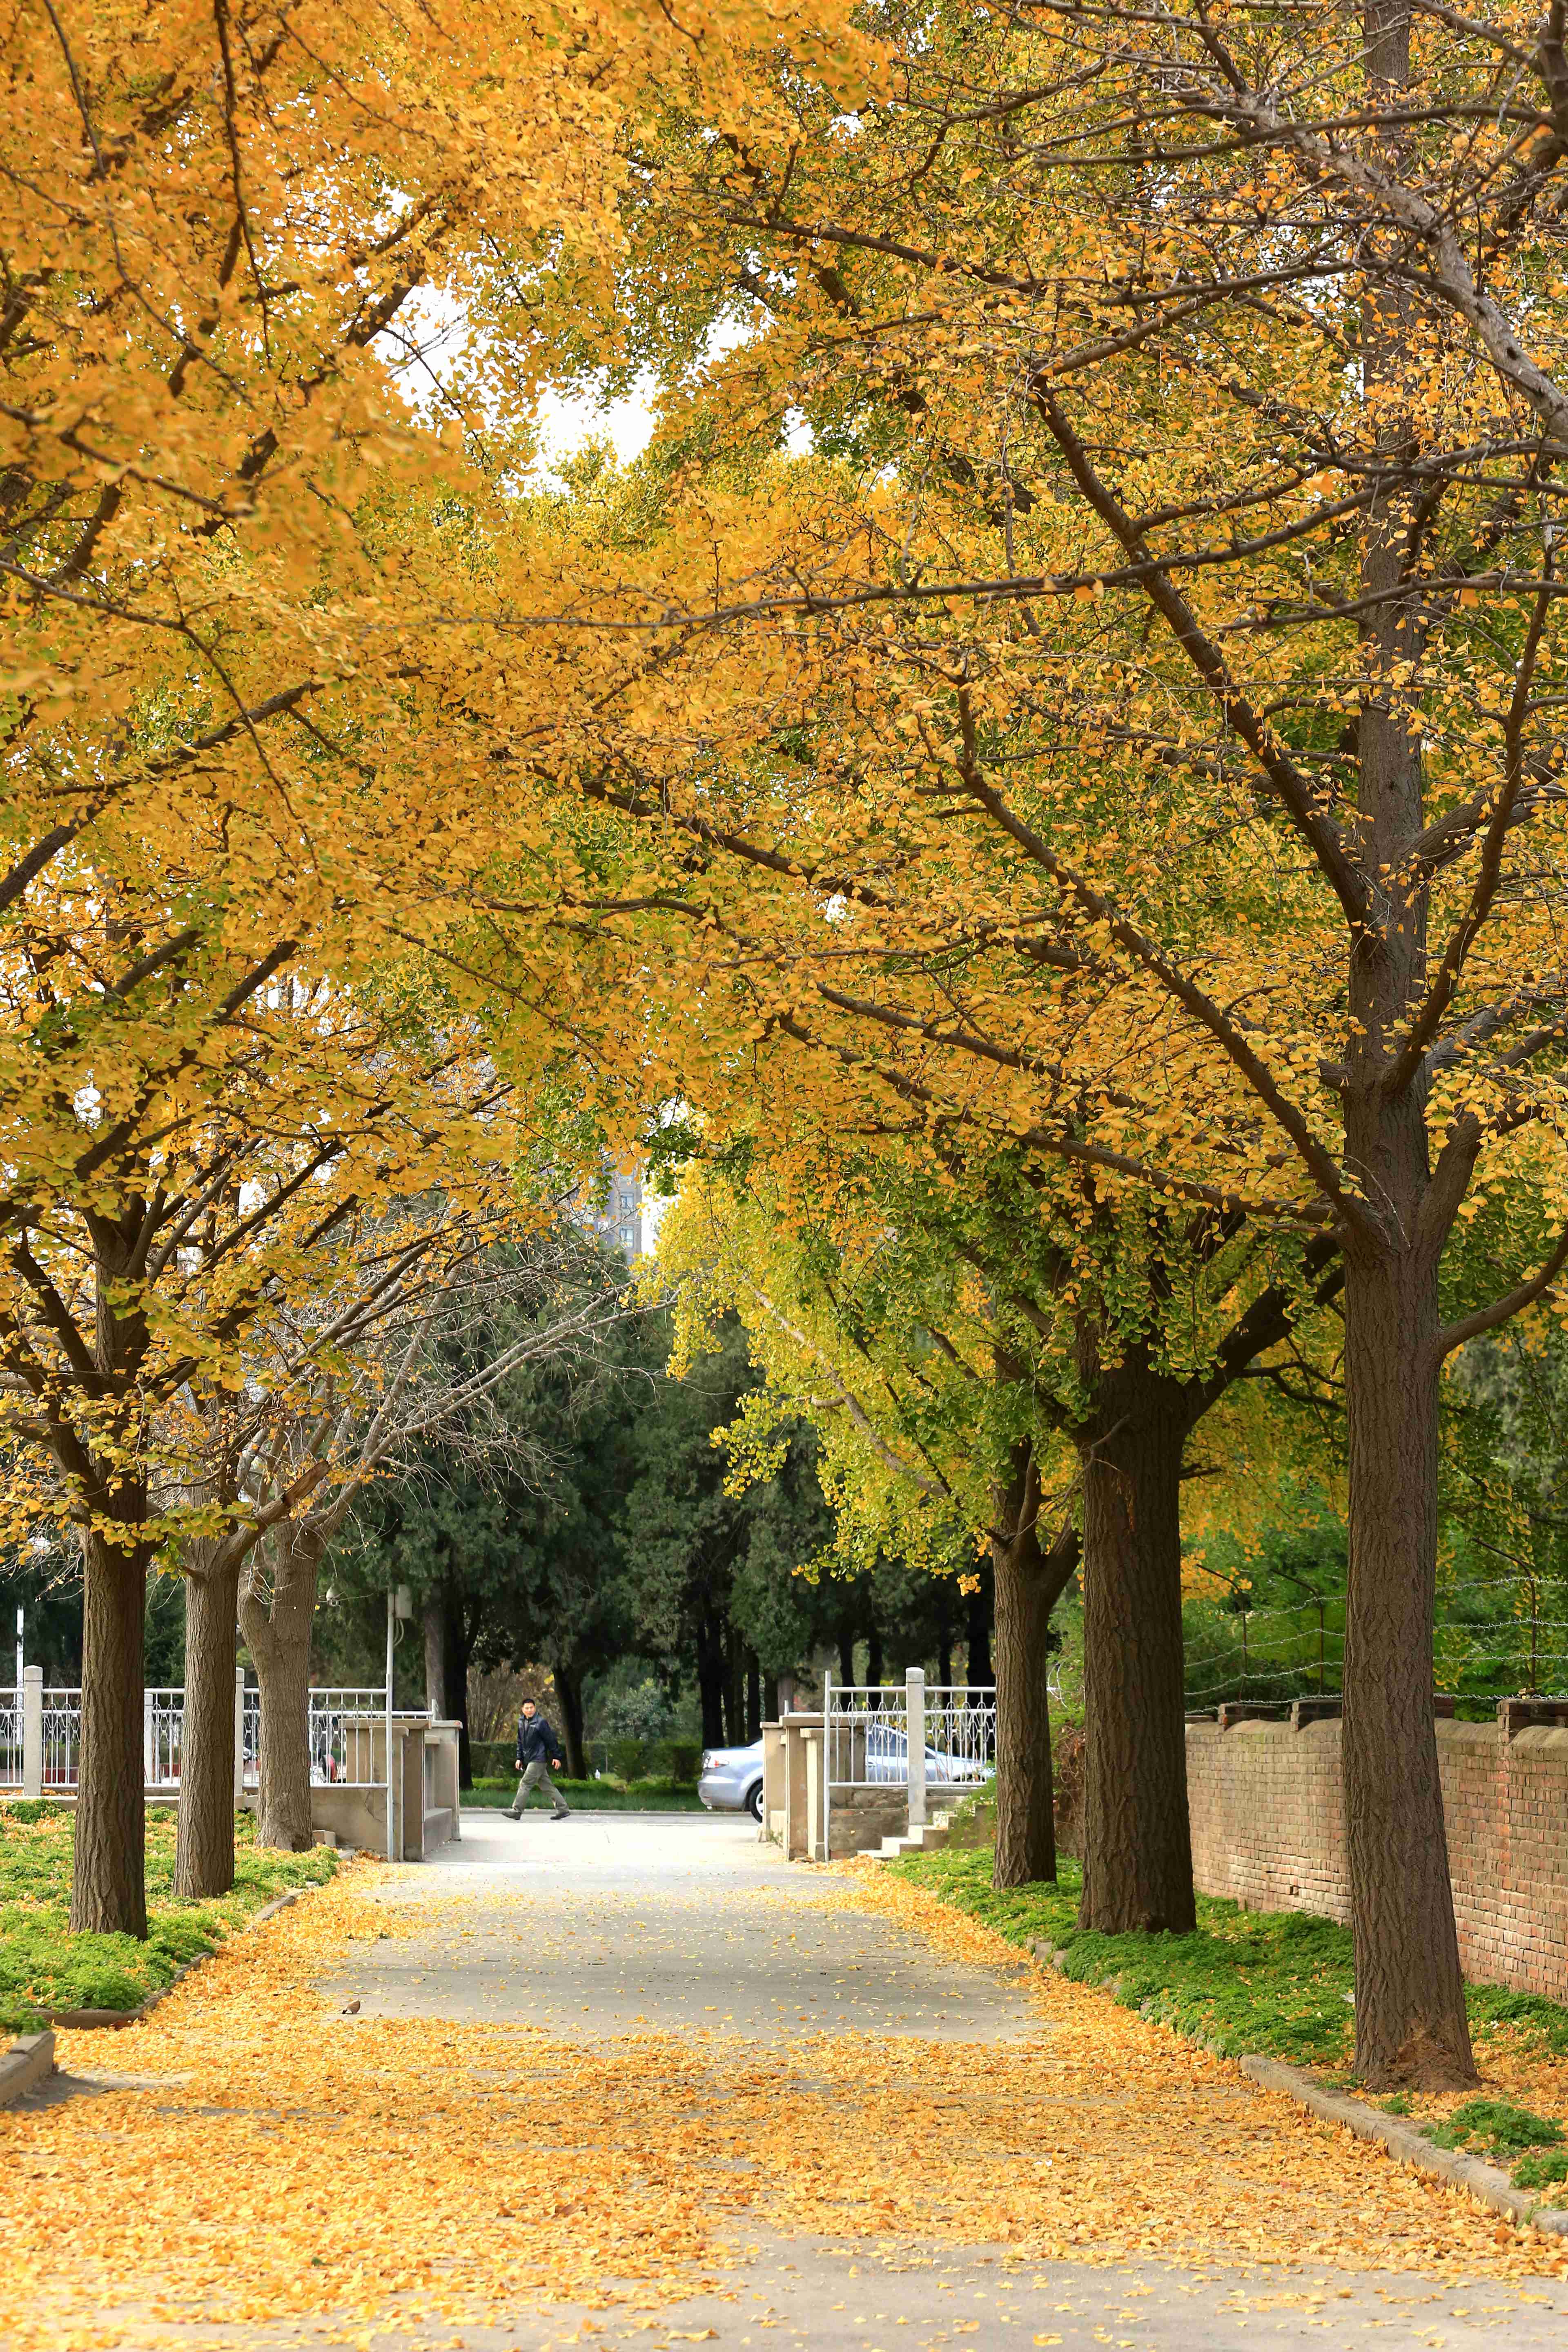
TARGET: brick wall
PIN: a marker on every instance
(1268, 1820)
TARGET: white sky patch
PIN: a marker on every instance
(568, 421)
(87, 1103)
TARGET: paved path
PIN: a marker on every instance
(612, 1923)
(685, 2012)
(687, 1924)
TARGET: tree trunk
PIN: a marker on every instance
(753, 1696)
(711, 1682)
(943, 1640)
(1137, 1849)
(979, 1670)
(434, 1618)
(734, 1689)
(1030, 1581)
(108, 1888)
(569, 1690)
(280, 1641)
(874, 1654)
(204, 1842)
(456, 1648)
(1410, 2023)
(769, 1699)
(847, 1653)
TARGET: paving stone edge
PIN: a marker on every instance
(1486, 2183)
(29, 2062)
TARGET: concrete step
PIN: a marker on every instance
(931, 1839)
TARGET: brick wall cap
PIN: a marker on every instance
(1453, 1734)
(1553, 1738)
(1325, 1731)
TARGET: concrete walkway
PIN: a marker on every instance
(612, 1923)
(621, 1923)
(713, 2069)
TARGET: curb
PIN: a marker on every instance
(1486, 2183)
(28, 2062)
(85, 2021)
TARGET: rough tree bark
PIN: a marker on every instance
(204, 1842)
(569, 1690)
(433, 1616)
(1029, 1582)
(978, 1667)
(734, 1688)
(456, 1648)
(1137, 1858)
(711, 1673)
(109, 1892)
(1410, 2023)
(278, 1639)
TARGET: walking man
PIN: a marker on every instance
(536, 1751)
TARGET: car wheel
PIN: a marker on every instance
(754, 1802)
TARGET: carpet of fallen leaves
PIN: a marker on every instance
(279, 2160)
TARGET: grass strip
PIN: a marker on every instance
(1272, 1982)
(606, 1796)
(45, 1968)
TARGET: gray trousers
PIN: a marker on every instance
(537, 1776)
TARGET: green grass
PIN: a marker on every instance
(43, 1967)
(1273, 1982)
(1497, 2129)
(606, 1796)
(1529, 2144)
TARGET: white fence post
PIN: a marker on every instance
(827, 1764)
(149, 1761)
(915, 1744)
(32, 1731)
(238, 1738)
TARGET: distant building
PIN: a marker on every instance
(620, 1219)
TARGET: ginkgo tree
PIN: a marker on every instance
(342, 1380)
(1151, 753)
(984, 1353)
(203, 1111)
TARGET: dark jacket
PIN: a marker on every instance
(536, 1743)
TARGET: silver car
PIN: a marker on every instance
(731, 1779)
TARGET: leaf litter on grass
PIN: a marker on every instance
(292, 2164)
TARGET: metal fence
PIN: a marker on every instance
(62, 1737)
(10, 1738)
(250, 1738)
(868, 1734)
(961, 1732)
(346, 1737)
(162, 1737)
(345, 1729)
